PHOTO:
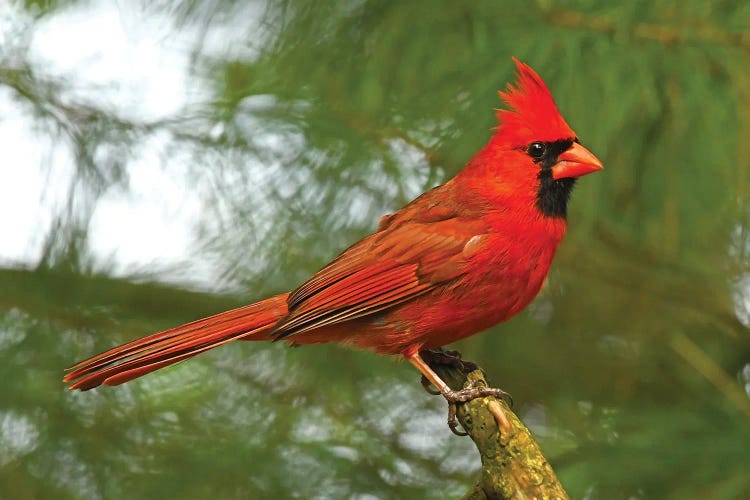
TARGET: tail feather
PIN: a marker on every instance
(139, 357)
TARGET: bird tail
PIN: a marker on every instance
(139, 357)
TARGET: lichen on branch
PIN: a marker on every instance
(513, 465)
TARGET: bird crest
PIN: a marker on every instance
(532, 113)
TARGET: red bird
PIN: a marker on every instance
(460, 258)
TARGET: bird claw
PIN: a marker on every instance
(474, 392)
(428, 387)
(468, 394)
(453, 359)
(453, 422)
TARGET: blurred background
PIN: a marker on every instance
(161, 161)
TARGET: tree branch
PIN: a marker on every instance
(513, 466)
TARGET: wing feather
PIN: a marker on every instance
(380, 272)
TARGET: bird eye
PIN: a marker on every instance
(536, 150)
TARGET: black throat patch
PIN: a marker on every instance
(552, 197)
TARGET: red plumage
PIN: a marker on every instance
(533, 114)
(460, 258)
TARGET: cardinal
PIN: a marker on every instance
(464, 256)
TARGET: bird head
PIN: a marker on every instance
(538, 147)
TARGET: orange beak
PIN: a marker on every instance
(577, 161)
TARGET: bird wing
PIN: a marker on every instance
(383, 270)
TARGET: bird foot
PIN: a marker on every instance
(433, 384)
(446, 358)
(468, 394)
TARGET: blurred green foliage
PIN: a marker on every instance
(632, 368)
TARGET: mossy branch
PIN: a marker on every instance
(513, 466)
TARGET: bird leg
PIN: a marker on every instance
(453, 397)
(443, 357)
(440, 356)
(426, 386)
